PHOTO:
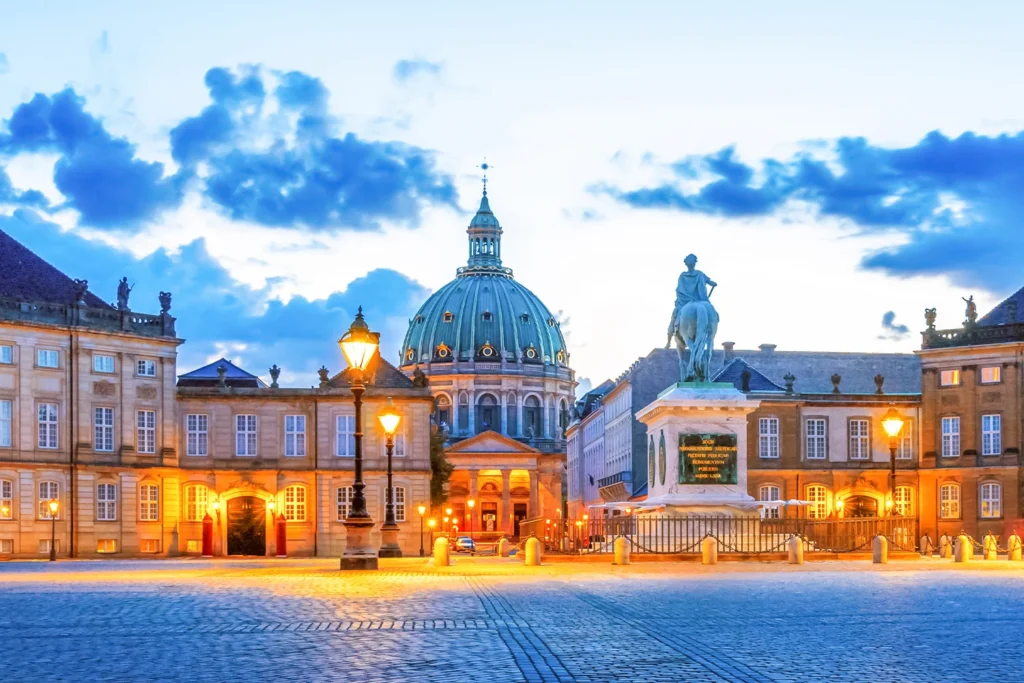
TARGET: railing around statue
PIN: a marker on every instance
(683, 535)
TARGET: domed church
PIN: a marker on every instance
(499, 371)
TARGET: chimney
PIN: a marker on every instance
(728, 346)
(766, 348)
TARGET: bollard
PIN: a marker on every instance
(926, 546)
(962, 549)
(1013, 548)
(503, 548)
(796, 550)
(441, 552)
(945, 547)
(990, 547)
(880, 549)
(532, 552)
(709, 550)
(621, 549)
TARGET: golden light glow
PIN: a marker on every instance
(628, 510)
(216, 505)
(578, 524)
(892, 422)
(888, 503)
(470, 503)
(422, 509)
(53, 505)
(389, 418)
(431, 522)
(359, 344)
(445, 520)
(6, 511)
(271, 504)
(448, 511)
(839, 503)
(586, 517)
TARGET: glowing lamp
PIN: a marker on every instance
(586, 517)
(578, 524)
(422, 509)
(389, 418)
(270, 505)
(839, 503)
(448, 511)
(53, 505)
(6, 511)
(359, 344)
(431, 523)
(470, 503)
(892, 423)
(216, 506)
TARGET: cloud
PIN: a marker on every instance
(407, 69)
(97, 173)
(279, 160)
(5, 66)
(890, 330)
(956, 201)
(218, 315)
(102, 44)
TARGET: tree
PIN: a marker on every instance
(440, 468)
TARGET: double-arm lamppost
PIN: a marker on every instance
(53, 505)
(358, 345)
(892, 422)
(422, 509)
(389, 421)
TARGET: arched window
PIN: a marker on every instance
(532, 417)
(49, 490)
(511, 409)
(769, 493)
(487, 316)
(903, 501)
(487, 415)
(817, 495)
(6, 499)
(448, 316)
(991, 500)
(196, 501)
(463, 412)
(563, 415)
(399, 503)
(106, 502)
(443, 414)
(345, 494)
(949, 501)
(149, 503)
(524, 318)
(295, 503)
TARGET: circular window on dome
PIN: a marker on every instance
(551, 322)
(561, 356)
(443, 351)
(487, 351)
(531, 353)
(448, 316)
(410, 354)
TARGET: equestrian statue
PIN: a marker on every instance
(694, 323)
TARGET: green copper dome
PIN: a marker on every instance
(484, 314)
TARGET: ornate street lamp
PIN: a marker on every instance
(54, 506)
(892, 422)
(422, 509)
(389, 421)
(358, 345)
(471, 503)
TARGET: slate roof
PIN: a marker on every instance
(592, 398)
(27, 277)
(207, 376)
(1007, 312)
(733, 373)
(379, 373)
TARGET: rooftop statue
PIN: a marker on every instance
(123, 290)
(694, 323)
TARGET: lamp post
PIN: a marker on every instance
(389, 421)
(431, 523)
(448, 519)
(359, 346)
(422, 509)
(53, 505)
(470, 503)
(892, 422)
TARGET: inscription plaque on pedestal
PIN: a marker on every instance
(707, 459)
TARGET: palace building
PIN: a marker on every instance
(94, 417)
(499, 372)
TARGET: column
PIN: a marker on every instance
(519, 413)
(534, 496)
(472, 414)
(474, 511)
(502, 401)
(506, 503)
(546, 417)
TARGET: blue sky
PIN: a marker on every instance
(836, 169)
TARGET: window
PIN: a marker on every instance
(991, 435)
(949, 378)
(487, 317)
(106, 545)
(145, 368)
(6, 354)
(399, 503)
(196, 435)
(106, 502)
(193, 545)
(48, 490)
(295, 503)
(6, 546)
(991, 375)
(859, 440)
(345, 494)
(102, 363)
(146, 435)
(770, 493)
(444, 411)
(295, 435)
(245, 435)
(949, 501)
(448, 316)
(951, 436)
(5, 423)
(905, 443)
(768, 441)
(345, 432)
(47, 425)
(149, 545)
(6, 499)
(525, 318)
(815, 429)
(149, 503)
(103, 429)
(47, 359)
(991, 500)
(196, 496)
(903, 501)
(44, 546)
(817, 495)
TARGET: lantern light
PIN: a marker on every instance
(389, 418)
(892, 422)
(359, 344)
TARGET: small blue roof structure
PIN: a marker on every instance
(209, 376)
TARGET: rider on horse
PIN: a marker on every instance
(694, 321)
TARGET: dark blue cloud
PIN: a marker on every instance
(214, 311)
(407, 69)
(98, 173)
(309, 175)
(10, 195)
(892, 330)
(957, 201)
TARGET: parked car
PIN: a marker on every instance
(465, 544)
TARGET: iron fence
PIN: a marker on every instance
(751, 535)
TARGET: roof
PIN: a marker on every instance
(1007, 312)
(490, 441)
(593, 398)
(207, 375)
(379, 373)
(28, 277)
(733, 374)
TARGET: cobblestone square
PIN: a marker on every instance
(494, 620)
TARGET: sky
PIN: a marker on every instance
(836, 167)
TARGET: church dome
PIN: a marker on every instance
(484, 314)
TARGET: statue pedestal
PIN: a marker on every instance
(697, 434)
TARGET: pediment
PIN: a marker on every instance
(491, 442)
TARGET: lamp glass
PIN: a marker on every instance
(422, 509)
(389, 418)
(470, 502)
(53, 504)
(892, 422)
(359, 344)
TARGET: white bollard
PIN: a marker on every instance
(963, 549)
(532, 552)
(621, 548)
(503, 548)
(991, 547)
(441, 552)
(796, 550)
(880, 550)
(945, 547)
(709, 550)
(1013, 548)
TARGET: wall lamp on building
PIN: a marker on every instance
(839, 506)
(389, 421)
(54, 506)
(892, 423)
(422, 509)
(216, 510)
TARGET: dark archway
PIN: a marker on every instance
(247, 526)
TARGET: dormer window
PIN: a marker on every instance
(419, 320)
(525, 318)
(487, 351)
(531, 353)
(487, 316)
(443, 351)
(551, 322)
(448, 316)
